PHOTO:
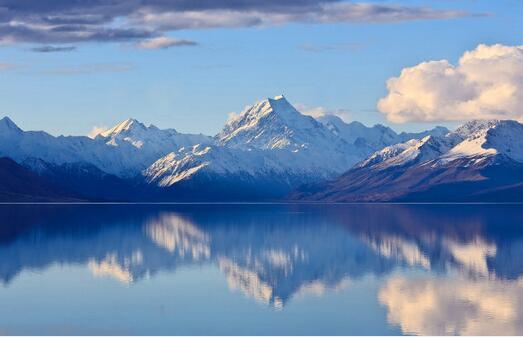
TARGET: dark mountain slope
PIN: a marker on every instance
(18, 184)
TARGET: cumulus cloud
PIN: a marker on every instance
(64, 21)
(164, 43)
(487, 83)
(320, 111)
(426, 306)
(96, 130)
(53, 49)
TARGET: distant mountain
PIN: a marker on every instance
(20, 184)
(149, 142)
(265, 151)
(480, 161)
(125, 150)
(375, 137)
(21, 145)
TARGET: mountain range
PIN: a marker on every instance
(480, 161)
(269, 151)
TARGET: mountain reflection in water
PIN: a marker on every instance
(442, 269)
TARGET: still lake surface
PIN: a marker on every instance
(261, 269)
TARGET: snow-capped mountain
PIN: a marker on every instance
(150, 139)
(148, 143)
(274, 123)
(414, 150)
(488, 138)
(21, 145)
(481, 160)
(124, 150)
(272, 147)
(186, 162)
(268, 144)
(224, 173)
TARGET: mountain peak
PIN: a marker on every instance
(7, 124)
(477, 125)
(127, 125)
(279, 100)
(271, 106)
(270, 123)
(278, 105)
(483, 138)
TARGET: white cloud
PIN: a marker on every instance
(164, 43)
(96, 130)
(426, 306)
(487, 83)
(320, 111)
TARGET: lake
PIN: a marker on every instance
(261, 269)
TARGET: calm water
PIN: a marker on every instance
(261, 269)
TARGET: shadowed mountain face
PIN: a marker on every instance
(20, 184)
(271, 253)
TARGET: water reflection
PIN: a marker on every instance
(444, 269)
(438, 306)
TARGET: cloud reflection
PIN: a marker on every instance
(438, 306)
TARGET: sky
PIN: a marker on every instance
(68, 67)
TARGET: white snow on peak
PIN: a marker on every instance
(177, 166)
(270, 124)
(472, 141)
(152, 143)
(475, 126)
(128, 125)
(124, 150)
(418, 150)
(487, 138)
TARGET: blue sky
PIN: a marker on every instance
(335, 65)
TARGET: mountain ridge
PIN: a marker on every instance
(467, 164)
(266, 152)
